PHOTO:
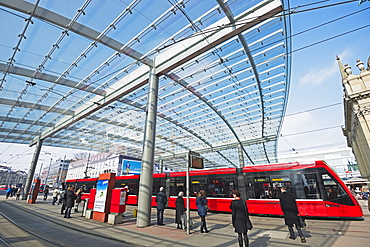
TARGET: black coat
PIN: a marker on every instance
(239, 215)
(161, 200)
(78, 197)
(70, 199)
(180, 209)
(290, 209)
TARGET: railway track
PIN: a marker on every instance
(13, 234)
(24, 227)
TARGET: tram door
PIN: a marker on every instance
(312, 203)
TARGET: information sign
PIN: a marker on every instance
(101, 195)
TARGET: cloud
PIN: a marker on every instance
(318, 76)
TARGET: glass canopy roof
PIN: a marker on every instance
(75, 74)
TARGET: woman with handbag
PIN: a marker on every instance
(240, 218)
(201, 203)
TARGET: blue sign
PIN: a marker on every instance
(131, 167)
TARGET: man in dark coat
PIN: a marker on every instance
(290, 209)
(70, 202)
(63, 200)
(161, 200)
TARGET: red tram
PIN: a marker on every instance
(260, 184)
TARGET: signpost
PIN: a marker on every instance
(194, 161)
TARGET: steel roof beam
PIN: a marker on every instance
(34, 106)
(231, 18)
(50, 78)
(249, 142)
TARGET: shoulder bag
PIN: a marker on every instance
(249, 222)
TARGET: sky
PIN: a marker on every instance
(315, 81)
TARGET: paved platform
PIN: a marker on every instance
(267, 231)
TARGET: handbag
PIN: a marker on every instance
(206, 207)
(302, 222)
(184, 221)
(249, 222)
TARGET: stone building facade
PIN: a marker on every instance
(357, 113)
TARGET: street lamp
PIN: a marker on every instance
(87, 167)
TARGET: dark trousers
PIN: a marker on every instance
(160, 216)
(67, 214)
(203, 224)
(291, 231)
(242, 236)
(63, 207)
(54, 200)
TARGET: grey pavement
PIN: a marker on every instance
(267, 231)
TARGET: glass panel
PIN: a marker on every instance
(332, 188)
(310, 186)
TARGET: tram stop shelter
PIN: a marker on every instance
(151, 79)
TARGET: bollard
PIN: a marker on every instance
(135, 213)
(86, 202)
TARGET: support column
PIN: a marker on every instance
(161, 165)
(241, 156)
(31, 171)
(147, 167)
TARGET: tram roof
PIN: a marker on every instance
(75, 74)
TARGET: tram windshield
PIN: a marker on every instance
(332, 188)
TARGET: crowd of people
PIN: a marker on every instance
(13, 191)
(240, 216)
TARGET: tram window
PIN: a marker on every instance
(176, 185)
(310, 186)
(197, 184)
(332, 189)
(270, 187)
(157, 184)
(221, 187)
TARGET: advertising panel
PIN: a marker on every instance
(131, 167)
(123, 197)
(101, 195)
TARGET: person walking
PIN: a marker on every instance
(161, 200)
(8, 192)
(69, 202)
(289, 207)
(180, 210)
(201, 203)
(18, 193)
(78, 198)
(240, 218)
(55, 196)
(46, 193)
(63, 200)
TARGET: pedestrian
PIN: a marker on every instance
(180, 210)
(289, 207)
(55, 196)
(63, 200)
(18, 193)
(8, 192)
(240, 218)
(70, 201)
(78, 198)
(161, 200)
(14, 190)
(201, 203)
(46, 193)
